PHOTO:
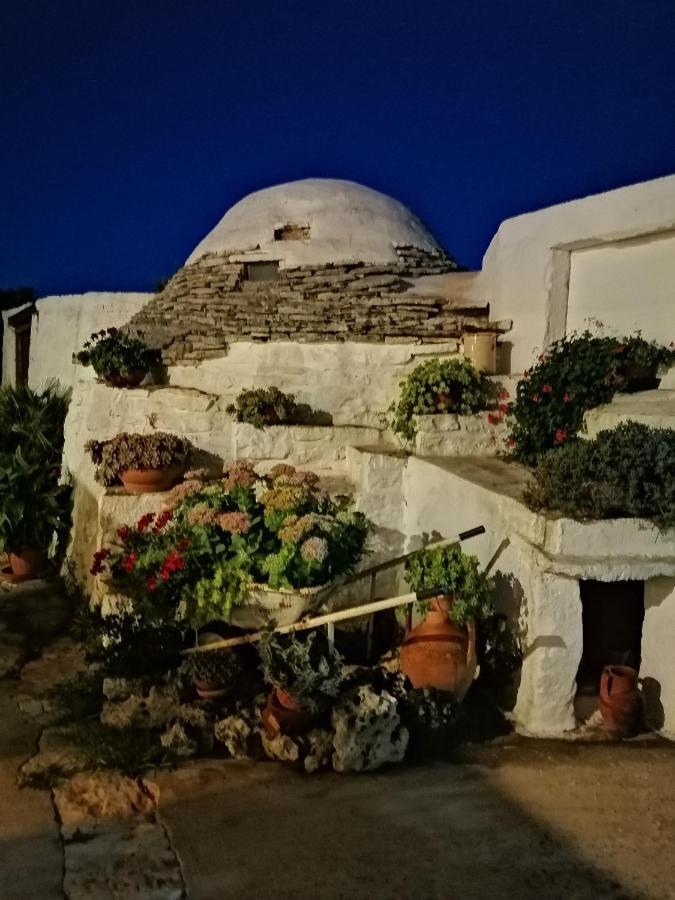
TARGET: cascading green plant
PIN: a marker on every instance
(437, 386)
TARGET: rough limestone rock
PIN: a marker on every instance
(281, 747)
(123, 861)
(116, 689)
(319, 747)
(368, 731)
(176, 739)
(157, 708)
(88, 797)
(58, 757)
(113, 845)
(238, 733)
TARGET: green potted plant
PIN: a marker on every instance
(306, 674)
(454, 594)
(214, 672)
(33, 508)
(262, 407)
(142, 463)
(119, 359)
(437, 386)
(638, 363)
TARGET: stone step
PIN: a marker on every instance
(655, 408)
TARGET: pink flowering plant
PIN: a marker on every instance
(574, 375)
(197, 560)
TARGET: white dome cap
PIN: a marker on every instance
(330, 221)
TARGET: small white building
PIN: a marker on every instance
(334, 292)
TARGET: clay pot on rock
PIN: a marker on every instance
(282, 715)
(209, 690)
(27, 563)
(621, 700)
(149, 481)
(440, 654)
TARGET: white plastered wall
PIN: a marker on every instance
(62, 324)
(526, 269)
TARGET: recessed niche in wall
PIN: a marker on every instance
(291, 233)
(612, 615)
(262, 270)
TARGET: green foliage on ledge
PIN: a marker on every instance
(437, 386)
(574, 375)
(458, 573)
(628, 471)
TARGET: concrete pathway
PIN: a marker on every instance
(525, 820)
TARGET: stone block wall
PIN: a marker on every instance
(209, 304)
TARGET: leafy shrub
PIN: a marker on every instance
(574, 375)
(196, 561)
(304, 666)
(112, 353)
(262, 407)
(158, 450)
(456, 572)
(126, 646)
(626, 471)
(437, 386)
(33, 505)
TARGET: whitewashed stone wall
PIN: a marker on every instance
(526, 269)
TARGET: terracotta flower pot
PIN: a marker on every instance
(27, 563)
(282, 715)
(149, 481)
(209, 690)
(620, 700)
(130, 379)
(440, 654)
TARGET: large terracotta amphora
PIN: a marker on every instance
(440, 654)
(620, 700)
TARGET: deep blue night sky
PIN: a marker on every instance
(129, 128)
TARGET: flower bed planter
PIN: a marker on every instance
(285, 607)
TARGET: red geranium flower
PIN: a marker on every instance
(97, 564)
(144, 521)
(162, 519)
(561, 435)
(566, 398)
(547, 389)
(511, 441)
(173, 562)
(129, 562)
(503, 395)
(123, 532)
(492, 419)
(151, 584)
(536, 398)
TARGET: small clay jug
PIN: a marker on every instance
(440, 654)
(620, 700)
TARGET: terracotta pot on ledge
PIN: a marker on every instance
(149, 481)
(440, 654)
(131, 379)
(621, 700)
(27, 563)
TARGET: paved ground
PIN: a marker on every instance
(522, 820)
(527, 820)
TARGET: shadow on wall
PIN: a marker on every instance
(654, 713)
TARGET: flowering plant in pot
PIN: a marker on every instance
(437, 386)
(572, 376)
(227, 539)
(306, 673)
(456, 596)
(143, 463)
(119, 359)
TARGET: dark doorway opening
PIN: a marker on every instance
(612, 614)
(20, 323)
